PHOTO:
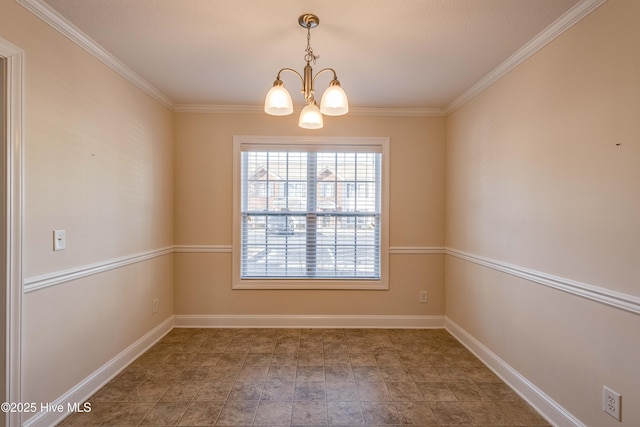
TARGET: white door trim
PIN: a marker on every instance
(14, 158)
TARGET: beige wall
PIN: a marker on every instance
(535, 178)
(203, 212)
(97, 163)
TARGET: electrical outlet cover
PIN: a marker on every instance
(611, 402)
(423, 296)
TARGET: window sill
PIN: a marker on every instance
(311, 284)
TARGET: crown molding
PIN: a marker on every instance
(219, 109)
(398, 112)
(57, 21)
(559, 26)
(354, 111)
(563, 23)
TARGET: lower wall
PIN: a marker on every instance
(72, 328)
(203, 287)
(566, 345)
(80, 391)
(488, 310)
(78, 394)
(544, 403)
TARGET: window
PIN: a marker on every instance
(310, 213)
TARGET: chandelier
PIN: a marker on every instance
(333, 102)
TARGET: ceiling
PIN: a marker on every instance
(387, 53)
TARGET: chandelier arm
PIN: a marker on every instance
(293, 71)
(335, 76)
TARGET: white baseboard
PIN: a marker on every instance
(100, 377)
(305, 321)
(553, 412)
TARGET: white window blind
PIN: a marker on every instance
(310, 211)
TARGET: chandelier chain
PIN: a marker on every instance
(309, 55)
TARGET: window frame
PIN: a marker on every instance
(290, 143)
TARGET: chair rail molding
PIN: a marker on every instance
(599, 294)
(35, 283)
(32, 284)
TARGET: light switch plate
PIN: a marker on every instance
(59, 240)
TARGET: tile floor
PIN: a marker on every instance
(307, 377)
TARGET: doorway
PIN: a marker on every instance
(11, 77)
(3, 234)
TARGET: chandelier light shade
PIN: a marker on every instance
(278, 101)
(310, 117)
(334, 101)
